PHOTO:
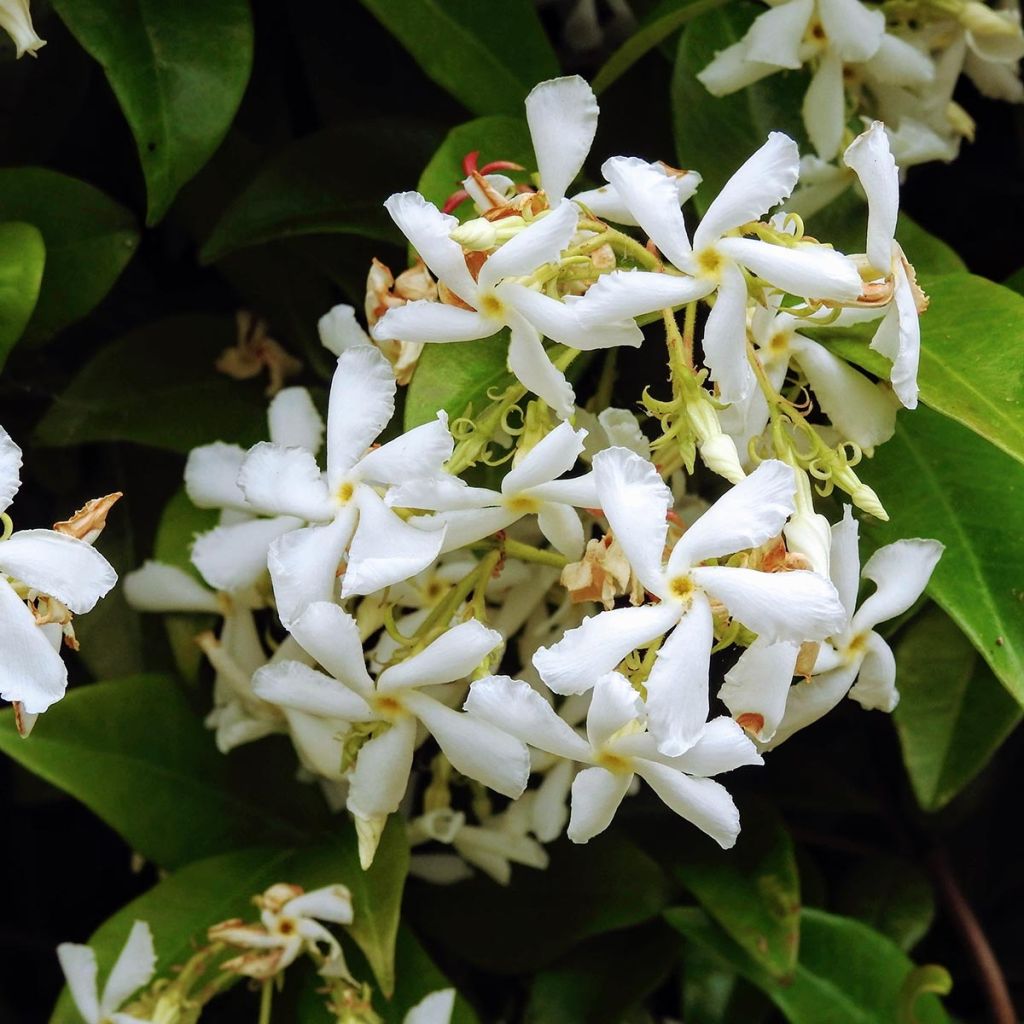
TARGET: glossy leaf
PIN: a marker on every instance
(178, 70)
(22, 257)
(953, 714)
(848, 973)
(138, 756)
(89, 241)
(937, 479)
(467, 48)
(157, 385)
(300, 192)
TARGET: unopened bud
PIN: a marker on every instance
(994, 35)
(480, 234)
(865, 498)
(720, 456)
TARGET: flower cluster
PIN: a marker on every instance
(498, 627)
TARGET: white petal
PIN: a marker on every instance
(329, 634)
(211, 476)
(875, 689)
(854, 30)
(294, 421)
(339, 329)
(304, 564)
(652, 199)
(235, 557)
(535, 371)
(518, 709)
(134, 967)
(453, 655)
(158, 587)
(627, 293)
(384, 549)
(329, 903)
(635, 501)
(810, 271)
(796, 605)
(554, 455)
(434, 1009)
(758, 685)
(420, 452)
(562, 527)
(730, 71)
(725, 338)
(776, 36)
(441, 493)
(596, 795)
(290, 684)
(871, 160)
(10, 469)
(702, 802)
(428, 230)
(605, 202)
(318, 743)
(677, 688)
(810, 700)
(560, 322)
(763, 181)
(746, 516)
(31, 671)
(540, 242)
(381, 775)
(824, 106)
(897, 62)
(844, 560)
(580, 491)
(562, 115)
(861, 410)
(281, 481)
(549, 812)
(57, 565)
(423, 320)
(467, 526)
(598, 644)
(614, 705)
(722, 747)
(79, 966)
(901, 572)
(908, 350)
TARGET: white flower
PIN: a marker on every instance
(617, 747)
(796, 605)
(37, 564)
(343, 500)
(433, 1009)
(16, 21)
(856, 661)
(717, 258)
(395, 703)
(233, 556)
(134, 968)
(531, 488)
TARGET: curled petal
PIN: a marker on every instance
(596, 795)
(703, 802)
(562, 115)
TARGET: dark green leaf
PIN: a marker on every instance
(22, 257)
(178, 70)
(488, 60)
(937, 479)
(89, 241)
(301, 190)
(952, 715)
(157, 385)
(848, 974)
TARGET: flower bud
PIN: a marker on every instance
(993, 35)
(16, 21)
(481, 234)
(720, 456)
(865, 498)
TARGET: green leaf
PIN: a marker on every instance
(157, 385)
(487, 60)
(89, 241)
(952, 715)
(300, 191)
(1015, 282)
(178, 70)
(585, 891)
(138, 756)
(180, 523)
(752, 891)
(22, 257)
(891, 894)
(937, 479)
(848, 973)
(181, 908)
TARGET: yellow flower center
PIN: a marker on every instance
(522, 504)
(614, 762)
(491, 305)
(345, 492)
(709, 261)
(681, 587)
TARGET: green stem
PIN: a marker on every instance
(266, 999)
(528, 553)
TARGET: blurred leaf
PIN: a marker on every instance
(178, 70)
(752, 891)
(891, 894)
(1016, 282)
(952, 715)
(937, 479)
(927, 978)
(138, 756)
(585, 891)
(157, 385)
(713, 993)
(301, 190)
(182, 907)
(848, 974)
(22, 257)
(179, 525)
(488, 60)
(89, 241)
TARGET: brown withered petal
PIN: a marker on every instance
(88, 522)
